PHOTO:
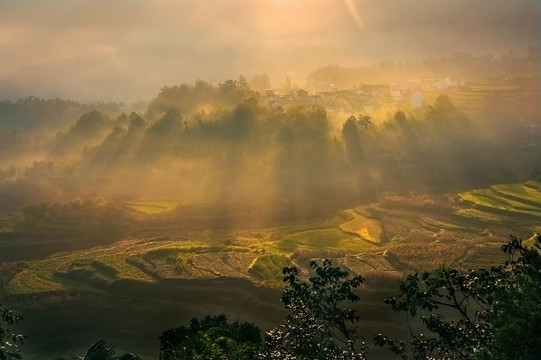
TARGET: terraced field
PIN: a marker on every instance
(393, 237)
(150, 261)
(362, 226)
(151, 206)
(520, 199)
(168, 280)
(475, 94)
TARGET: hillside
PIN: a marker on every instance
(395, 236)
(167, 280)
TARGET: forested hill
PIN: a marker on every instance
(221, 144)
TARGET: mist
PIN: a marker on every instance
(228, 149)
(162, 159)
(127, 50)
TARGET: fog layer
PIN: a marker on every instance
(125, 50)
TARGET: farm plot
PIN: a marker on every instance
(473, 96)
(519, 199)
(269, 267)
(422, 256)
(483, 256)
(233, 264)
(527, 193)
(320, 239)
(366, 228)
(369, 262)
(151, 206)
(416, 239)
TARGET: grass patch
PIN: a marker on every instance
(269, 267)
(151, 206)
(321, 239)
(520, 192)
(362, 226)
(485, 198)
(29, 281)
(437, 225)
(479, 215)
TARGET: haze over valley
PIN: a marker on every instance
(163, 160)
(126, 51)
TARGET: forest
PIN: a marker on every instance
(212, 214)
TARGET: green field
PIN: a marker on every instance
(519, 199)
(466, 231)
(168, 279)
(151, 206)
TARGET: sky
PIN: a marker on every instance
(123, 50)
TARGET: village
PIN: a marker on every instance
(365, 98)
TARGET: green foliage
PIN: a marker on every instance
(319, 324)
(516, 315)
(479, 314)
(266, 267)
(101, 351)
(211, 338)
(182, 98)
(352, 139)
(169, 124)
(89, 123)
(9, 341)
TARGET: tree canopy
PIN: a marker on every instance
(475, 314)
(9, 340)
(212, 337)
(321, 322)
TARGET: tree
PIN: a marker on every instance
(211, 338)
(478, 314)
(101, 351)
(445, 112)
(168, 124)
(351, 132)
(352, 140)
(232, 92)
(319, 324)
(364, 121)
(9, 341)
(516, 314)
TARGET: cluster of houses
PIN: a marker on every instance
(363, 97)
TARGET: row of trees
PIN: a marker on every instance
(295, 159)
(476, 314)
(220, 142)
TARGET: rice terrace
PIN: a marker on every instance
(354, 237)
(270, 180)
(375, 240)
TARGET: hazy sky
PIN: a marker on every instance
(120, 49)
